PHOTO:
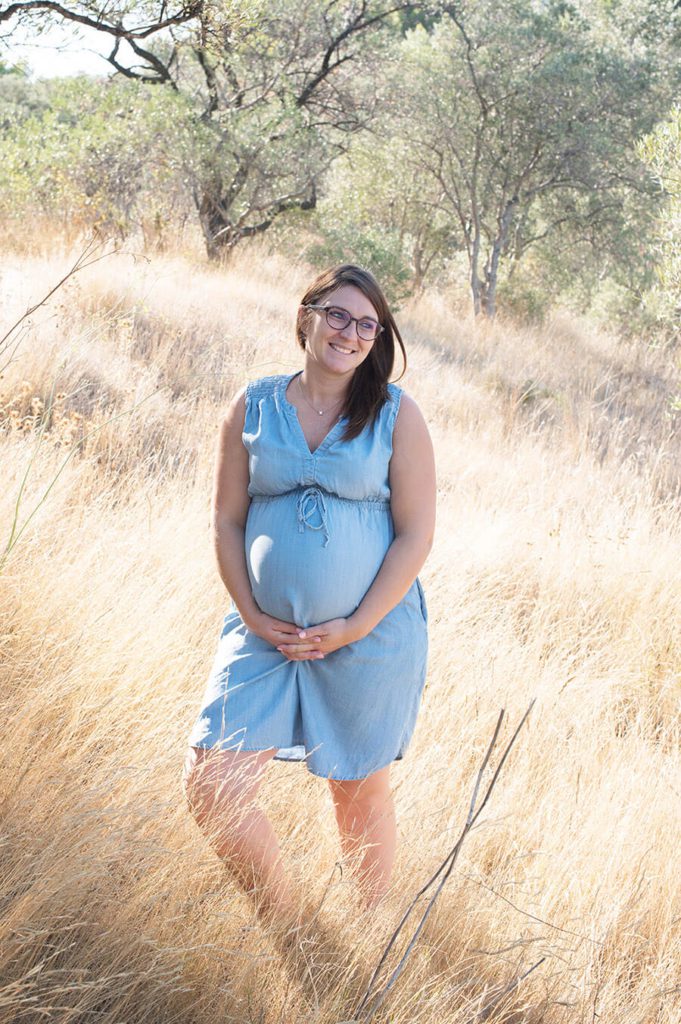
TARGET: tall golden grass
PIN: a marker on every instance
(555, 574)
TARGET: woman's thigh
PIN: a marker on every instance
(222, 777)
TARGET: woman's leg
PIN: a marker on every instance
(220, 787)
(366, 822)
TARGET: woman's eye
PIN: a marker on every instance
(337, 315)
(368, 325)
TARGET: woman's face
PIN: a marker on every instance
(339, 351)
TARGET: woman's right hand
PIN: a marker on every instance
(277, 632)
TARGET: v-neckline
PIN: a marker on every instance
(293, 414)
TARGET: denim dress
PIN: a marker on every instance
(318, 528)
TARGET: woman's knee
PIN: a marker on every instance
(370, 793)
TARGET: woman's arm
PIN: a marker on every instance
(412, 487)
(230, 509)
(412, 503)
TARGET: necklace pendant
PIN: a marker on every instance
(320, 411)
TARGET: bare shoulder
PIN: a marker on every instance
(409, 411)
(238, 402)
(410, 425)
(235, 413)
(412, 469)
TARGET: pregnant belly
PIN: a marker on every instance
(319, 565)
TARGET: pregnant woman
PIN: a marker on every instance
(323, 514)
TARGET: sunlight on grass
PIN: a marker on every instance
(555, 574)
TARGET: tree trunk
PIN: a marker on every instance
(222, 235)
(217, 232)
(475, 282)
(492, 267)
(417, 282)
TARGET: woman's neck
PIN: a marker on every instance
(323, 390)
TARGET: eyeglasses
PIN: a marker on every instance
(338, 319)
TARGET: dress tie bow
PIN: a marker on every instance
(312, 512)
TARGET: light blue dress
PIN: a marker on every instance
(318, 528)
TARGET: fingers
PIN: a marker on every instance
(285, 628)
(290, 629)
(311, 643)
(304, 656)
(298, 648)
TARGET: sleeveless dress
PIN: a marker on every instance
(318, 528)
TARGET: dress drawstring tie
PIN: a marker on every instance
(312, 512)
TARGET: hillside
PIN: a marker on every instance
(555, 575)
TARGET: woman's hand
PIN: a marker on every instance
(278, 632)
(316, 641)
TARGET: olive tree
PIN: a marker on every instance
(521, 118)
(97, 155)
(277, 90)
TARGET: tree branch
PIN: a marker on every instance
(186, 13)
(353, 28)
(484, 106)
(211, 83)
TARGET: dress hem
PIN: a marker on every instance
(302, 760)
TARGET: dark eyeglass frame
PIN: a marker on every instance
(326, 310)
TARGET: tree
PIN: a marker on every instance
(373, 213)
(522, 118)
(96, 154)
(278, 88)
(131, 22)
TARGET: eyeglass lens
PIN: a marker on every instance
(339, 319)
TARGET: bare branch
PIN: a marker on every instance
(456, 18)
(86, 259)
(163, 74)
(356, 26)
(184, 14)
(484, 1012)
(211, 82)
(371, 1001)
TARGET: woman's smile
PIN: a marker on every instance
(337, 347)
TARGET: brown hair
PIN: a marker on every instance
(369, 386)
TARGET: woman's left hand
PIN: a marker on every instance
(333, 634)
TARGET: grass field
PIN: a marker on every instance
(555, 575)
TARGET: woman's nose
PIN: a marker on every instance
(350, 331)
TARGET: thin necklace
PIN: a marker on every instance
(320, 412)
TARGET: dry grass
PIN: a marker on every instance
(555, 573)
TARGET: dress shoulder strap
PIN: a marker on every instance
(262, 388)
(261, 403)
(392, 406)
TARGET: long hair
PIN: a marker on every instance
(369, 387)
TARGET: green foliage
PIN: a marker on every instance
(373, 248)
(284, 88)
(498, 132)
(553, 96)
(521, 119)
(12, 69)
(661, 149)
(375, 213)
(97, 154)
(20, 98)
